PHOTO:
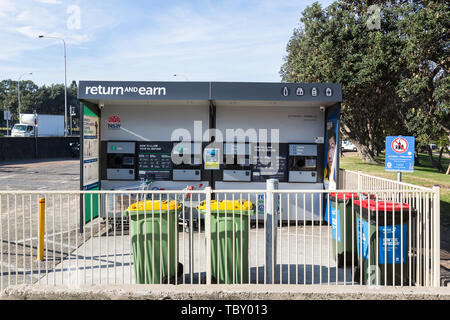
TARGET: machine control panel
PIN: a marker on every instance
(121, 161)
(236, 162)
(303, 163)
(190, 155)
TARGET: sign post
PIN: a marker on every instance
(399, 155)
(35, 133)
(7, 117)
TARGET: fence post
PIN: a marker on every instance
(208, 234)
(436, 236)
(40, 254)
(271, 228)
(359, 181)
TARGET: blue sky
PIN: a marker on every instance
(199, 40)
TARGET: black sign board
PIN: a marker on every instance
(154, 160)
(190, 90)
(260, 167)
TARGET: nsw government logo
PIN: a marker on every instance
(114, 122)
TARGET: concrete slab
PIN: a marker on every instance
(221, 292)
(304, 256)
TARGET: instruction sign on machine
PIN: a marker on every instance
(399, 154)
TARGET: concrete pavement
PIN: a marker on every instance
(222, 292)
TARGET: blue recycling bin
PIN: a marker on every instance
(383, 230)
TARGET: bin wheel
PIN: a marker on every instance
(357, 274)
(172, 279)
(180, 269)
(213, 280)
(168, 280)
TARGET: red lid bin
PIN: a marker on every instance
(386, 211)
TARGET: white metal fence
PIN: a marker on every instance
(283, 237)
(358, 180)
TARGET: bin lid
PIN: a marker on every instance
(228, 207)
(153, 206)
(384, 205)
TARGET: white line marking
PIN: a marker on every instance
(48, 235)
(7, 177)
(12, 269)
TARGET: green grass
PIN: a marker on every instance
(423, 175)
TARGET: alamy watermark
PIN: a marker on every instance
(374, 20)
(238, 146)
(74, 19)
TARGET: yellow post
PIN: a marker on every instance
(40, 254)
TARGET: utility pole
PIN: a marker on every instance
(65, 81)
(18, 90)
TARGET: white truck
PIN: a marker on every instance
(46, 125)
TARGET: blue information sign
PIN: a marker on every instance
(399, 154)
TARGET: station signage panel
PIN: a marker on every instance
(399, 154)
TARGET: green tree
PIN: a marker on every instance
(43, 100)
(425, 84)
(335, 44)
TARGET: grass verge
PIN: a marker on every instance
(423, 175)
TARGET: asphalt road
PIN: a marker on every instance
(20, 217)
(44, 174)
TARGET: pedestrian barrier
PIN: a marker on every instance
(224, 236)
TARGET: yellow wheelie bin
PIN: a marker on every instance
(154, 238)
(229, 240)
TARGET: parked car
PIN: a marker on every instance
(348, 146)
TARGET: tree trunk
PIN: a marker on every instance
(448, 170)
(434, 163)
(365, 153)
(416, 157)
(440, 154)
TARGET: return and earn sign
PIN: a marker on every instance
(399, 154)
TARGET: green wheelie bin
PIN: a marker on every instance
(229, 234)
(383, 243)
(343, 226)
(154, 239)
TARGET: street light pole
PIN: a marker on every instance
(18, 90)
(70, 112)
(65, 81)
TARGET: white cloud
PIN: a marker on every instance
(49, 1)
(29, 31)
(119, 40)
(6, 8)
(221, 42)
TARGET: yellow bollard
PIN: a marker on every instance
(40, 254)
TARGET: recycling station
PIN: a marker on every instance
(224, 132)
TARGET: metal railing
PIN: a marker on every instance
(359, 180)
(283, 237)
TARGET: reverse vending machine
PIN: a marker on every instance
(159, 134)
(121, 160)
(304, 163)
